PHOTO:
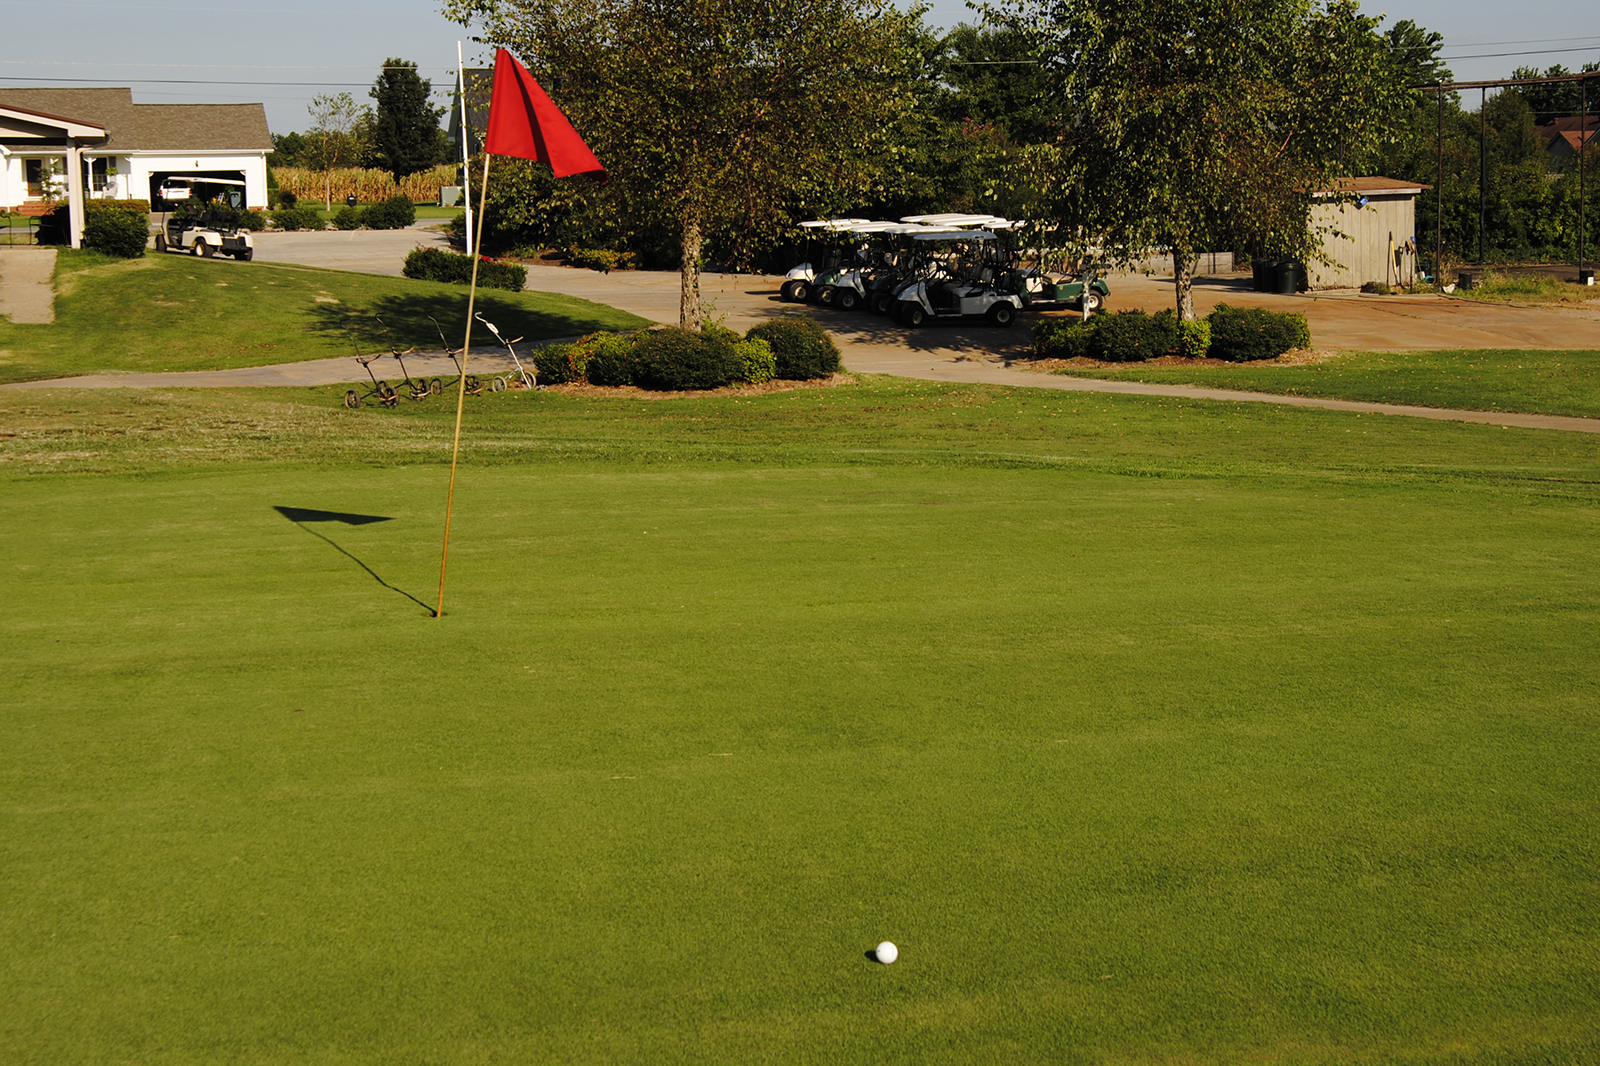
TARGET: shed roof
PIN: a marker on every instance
(1376, 184)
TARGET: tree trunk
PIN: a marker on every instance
(689, 274)
(1183, 281)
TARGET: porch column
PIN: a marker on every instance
(75, 192)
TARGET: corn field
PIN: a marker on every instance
(368, 186)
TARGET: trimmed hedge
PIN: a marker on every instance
(436, 264)
(560, 363)
(756, 360)
(1245, 334)
(118, 228)
(1194, 338)
(601, 259)
(674, 358)
(608, 359)
(802, 349)
(1133, 336)
(1062, 338)
(347, 218)
(397, 212)
(297, 218)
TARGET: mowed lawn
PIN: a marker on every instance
(1489, 379)
(176, 312)
(1150, 732)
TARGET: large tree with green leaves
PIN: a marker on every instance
(716, 117)
(1195, 122)
(405, 124)
(336, 137)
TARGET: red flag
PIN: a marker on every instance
(526, 123)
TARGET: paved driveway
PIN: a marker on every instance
(364, 251)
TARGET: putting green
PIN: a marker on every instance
(1131, 769)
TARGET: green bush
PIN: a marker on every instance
(283, 198)
(397, 212)
(560, 363)
(254, 221)
(674, 358)
(1245, 334)
(803, 350)
(111, 228)
(346, 218)
(1194, 338)
(297, 218)
(608, 359)
(601, 259)
(436, 264)
(756, 360)
(1133, 336)
(1062, 338)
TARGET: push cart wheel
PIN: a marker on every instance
(436, 386)
(1002, 315)
(474, 386)
(787, 291)
(352, 398)
(846, 299)
(388, 395)
(499, 385)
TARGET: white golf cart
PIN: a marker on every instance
(204, 229)
(956, 280)
(799, 283)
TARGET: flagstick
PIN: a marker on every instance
(461, 393)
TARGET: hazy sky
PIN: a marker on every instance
(283, 53)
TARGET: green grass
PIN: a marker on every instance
(1497, 287)
(180, 313)
(1151, 731)
(1542, 382)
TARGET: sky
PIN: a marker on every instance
(281, 54)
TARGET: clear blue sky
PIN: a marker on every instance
(182, 51)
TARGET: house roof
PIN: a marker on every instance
(132, 127)
(1572, 130)
(74, 127)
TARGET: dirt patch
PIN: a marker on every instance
(1294, 357)
(633, 392)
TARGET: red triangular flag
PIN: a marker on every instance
(526, 123)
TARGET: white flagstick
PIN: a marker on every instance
(466, 147)
(461, 394)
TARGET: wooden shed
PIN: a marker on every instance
(1371, 240)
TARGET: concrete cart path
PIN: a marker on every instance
(343, 370)
(27, 291)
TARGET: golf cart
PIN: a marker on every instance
(206, 228)
(957, 278)
(799, 284)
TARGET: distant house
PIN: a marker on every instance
(98, 143)
(1376, 239)
(1565, 137)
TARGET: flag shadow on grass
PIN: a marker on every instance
(300, 516)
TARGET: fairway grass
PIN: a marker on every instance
(173, 313)
(1489, 379)
(1149, 732)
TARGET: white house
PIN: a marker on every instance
(98, 143)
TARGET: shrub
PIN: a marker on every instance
(677, 358)
(608, 359)
(1244, 334)
(347, 217)
(397, 212)
(756, 360)
(297, 218)
(111, 228)
(1376, 288)
(802, 349)
(1194, 338)
(436, 264)
(601, 259)
(285, 198)
(254, 221)
(559, 363)
(1133, 336)
(1062, 338)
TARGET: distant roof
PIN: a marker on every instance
(1572, 130)
(150, 127)
(1376, 184)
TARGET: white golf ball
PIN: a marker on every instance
(886, 952)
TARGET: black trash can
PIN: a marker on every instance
(1286, 277)
(1262, 273)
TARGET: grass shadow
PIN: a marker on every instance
(300, 516)
(410, 318)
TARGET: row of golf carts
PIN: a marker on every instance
(930, 267)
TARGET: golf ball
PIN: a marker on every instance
(886, 952)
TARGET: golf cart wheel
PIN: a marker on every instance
(352, 398)
(915, 316)
(499, 385)
(846, 299)
(788, 289)
(824, 295)
(1091, 302)
(1002, 315)
(800, 292)
(161, 242)
(246, 255)
(882, 303)
(436, 386)
(206, 251)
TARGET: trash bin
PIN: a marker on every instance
(350, 201)
(1286, 277)
(1262, 273)
(1467, 279)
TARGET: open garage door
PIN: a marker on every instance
(168, 188)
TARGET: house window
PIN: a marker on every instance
(96, 174)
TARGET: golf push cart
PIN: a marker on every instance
(205, 227)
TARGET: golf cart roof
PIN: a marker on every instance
(955, 235)
(949, 221)
(189, 179)
(836, 224)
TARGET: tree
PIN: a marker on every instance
(286, 150)
(718, 118)
(335, 136)
(405, 128)
(1209, 121)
